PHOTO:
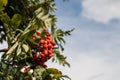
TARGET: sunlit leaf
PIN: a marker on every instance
(25, 47)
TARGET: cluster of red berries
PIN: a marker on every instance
(44, 50)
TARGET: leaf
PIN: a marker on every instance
(25, 47)
(65, 76)
(9, 54)
(38, 72)
(60, 58)
(5, 18)
(27, 33)
(19, 50)
(54, 74)
(12, 48)
(16, 20)
(38, 11)
(1, 8)
(5, 2)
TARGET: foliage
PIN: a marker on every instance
(23, 24)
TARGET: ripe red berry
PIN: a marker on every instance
(50, 46)
(45, 52)
(51, 55)
(53, 43)
(42, 55)
(49, 34)
(36, 56)
(38, 33)
(45, 42)
(41, 41)
(45, 29)
(45, 46)
(50, 51)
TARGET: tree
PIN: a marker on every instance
(28, 27)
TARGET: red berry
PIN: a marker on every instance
(42, 55)
(53, 43)
(50, 46)
(38, 33)
(45, 42)
(45, 52)
(36, 56)
(50, 51)
(45, 66)
(49, 34)
(41, 41)
(51, 55)
(45, 45)
(45, 29)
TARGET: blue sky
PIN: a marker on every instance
(93, 49)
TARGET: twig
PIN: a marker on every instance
(4, 50)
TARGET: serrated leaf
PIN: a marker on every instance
(60, 58)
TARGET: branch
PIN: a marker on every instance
(4, 50)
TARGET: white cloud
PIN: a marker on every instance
(93, 50)
(90, 67)
(2, 46)
(101, 10)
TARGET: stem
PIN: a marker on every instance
(4, 50)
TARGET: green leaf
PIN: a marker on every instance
(54, 72)
(12, 48)
(27, 33)
(9, 54)
(60, 58)
(19, 50)
(3, 2)
(5, 18)
(65, 76)
(25, 47)
(16, 20)
(1, 8)
(38, 71)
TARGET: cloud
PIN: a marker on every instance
(93, 49)
(101, 10)
(2, 46)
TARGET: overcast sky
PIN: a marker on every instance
(93, 49)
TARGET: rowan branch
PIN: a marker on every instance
(4, 50)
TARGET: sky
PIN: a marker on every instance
(93, 49)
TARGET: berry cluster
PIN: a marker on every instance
(44, 49)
